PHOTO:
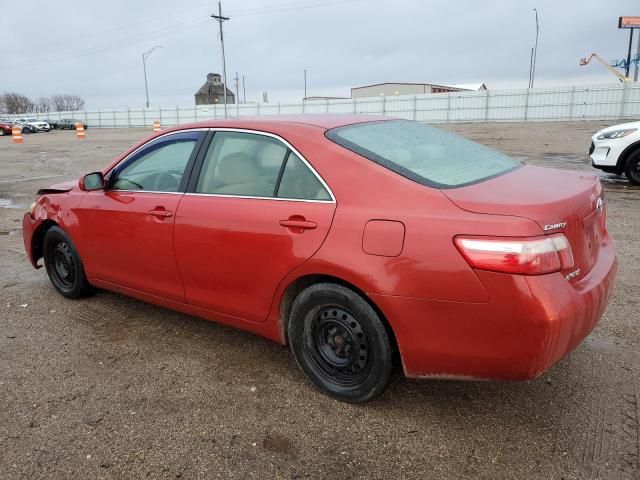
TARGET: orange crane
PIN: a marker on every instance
(585, 61)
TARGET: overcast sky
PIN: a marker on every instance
(94, 48)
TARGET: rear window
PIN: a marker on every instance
(424, 154)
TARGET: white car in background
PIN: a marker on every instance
(616, 150)
(38, 125)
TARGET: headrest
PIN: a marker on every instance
(237, 168)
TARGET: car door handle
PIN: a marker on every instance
(160, 213)
(295, 224)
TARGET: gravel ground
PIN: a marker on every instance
(110, 387)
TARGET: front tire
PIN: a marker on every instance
(340, 343)
(632, 167)
(64, 265)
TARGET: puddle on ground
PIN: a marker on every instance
(616, 181)
(6, 203)
(28, 179)
(10, 232)
(563, 158)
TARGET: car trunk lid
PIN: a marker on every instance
(558, 201)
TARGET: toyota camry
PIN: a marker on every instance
(361, 242)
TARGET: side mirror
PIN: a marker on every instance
(92, 181)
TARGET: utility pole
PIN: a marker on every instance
(219, 18)
(635, 74)
(305, 84)
(244, 91)
(535, 49)
(145, 55)
(237, 80)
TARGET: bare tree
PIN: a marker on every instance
(42, 105)
(16, 103)
(67, 103)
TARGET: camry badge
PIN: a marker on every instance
(555, 226)
(600, 205)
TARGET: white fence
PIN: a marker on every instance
(593, 102)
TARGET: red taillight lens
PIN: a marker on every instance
(526, 256)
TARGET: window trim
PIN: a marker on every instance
(187, 171)
(199, 164)
(285, 160)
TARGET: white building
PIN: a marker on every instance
(390, 89)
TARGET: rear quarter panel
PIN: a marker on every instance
(429, 265)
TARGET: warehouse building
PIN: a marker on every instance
(390, 89)
(213, 91)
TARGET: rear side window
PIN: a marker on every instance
(424, 154)
(299, 182)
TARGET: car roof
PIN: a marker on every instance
(325, 121)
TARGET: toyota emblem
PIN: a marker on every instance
(599, 205)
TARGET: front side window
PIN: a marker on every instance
(243, 164)
(158, 167)
(424, 154)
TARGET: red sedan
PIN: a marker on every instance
(359, 241)
(5, 128)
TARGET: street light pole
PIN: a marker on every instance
(305, 83)
(535, 49)
(145, 55)
(530, 67)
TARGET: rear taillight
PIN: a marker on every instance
(526, 256)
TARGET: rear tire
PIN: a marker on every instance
(632, 167)
(64, 265)
(340, 343)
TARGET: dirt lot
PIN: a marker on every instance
(110, 387)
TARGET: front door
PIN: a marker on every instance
(256, 212)
(127, 229)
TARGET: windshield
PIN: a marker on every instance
(424, 154)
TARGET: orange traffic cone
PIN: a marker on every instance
(16, 133)
(156, 126)
(80, 131)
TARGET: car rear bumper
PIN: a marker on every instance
(529, 323)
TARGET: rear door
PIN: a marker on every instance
(255, 211)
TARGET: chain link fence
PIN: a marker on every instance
(593, 102)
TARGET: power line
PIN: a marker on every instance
(123, 42)
(104, 33)
(111, 45)
(279, 8)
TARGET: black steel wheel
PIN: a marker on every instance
(64, 265)
(340, 342)
(340, 346)
(632, 167)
